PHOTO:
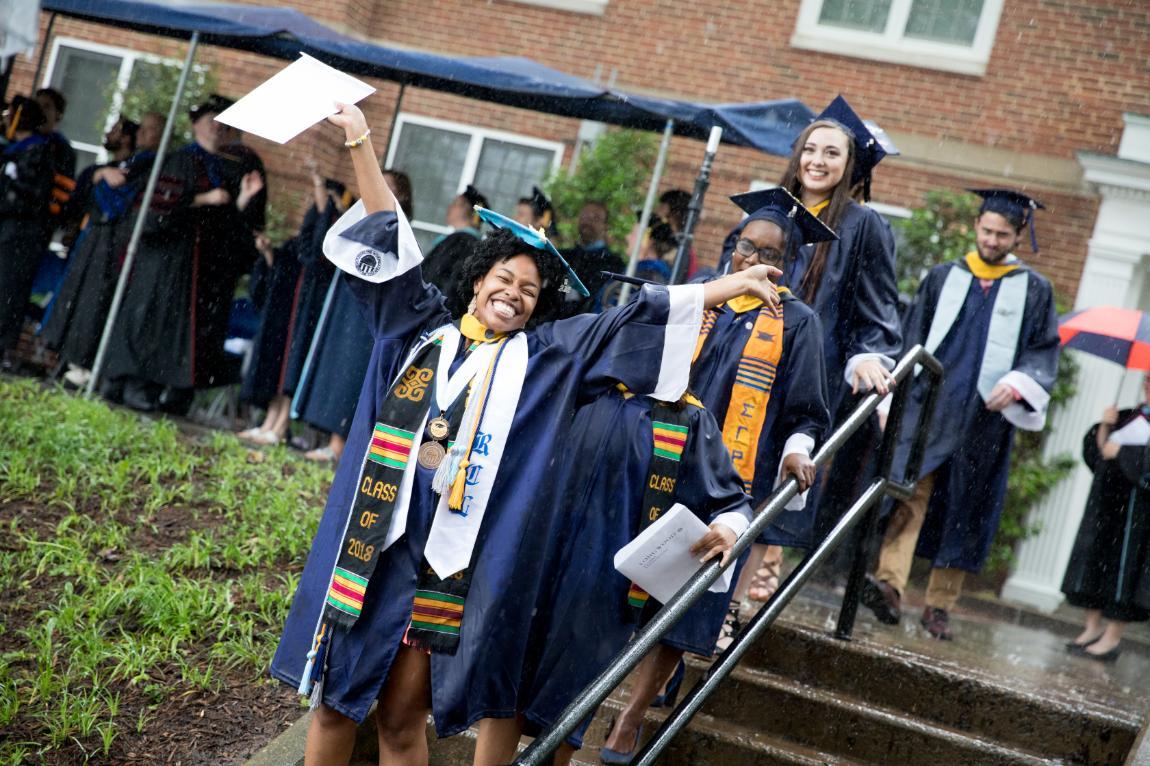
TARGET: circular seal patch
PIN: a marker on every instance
(368, 263)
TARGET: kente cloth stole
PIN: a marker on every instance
(754, 378)
(669, 430)
(393, 440)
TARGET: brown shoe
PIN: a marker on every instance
(937, 623)
(882, 599)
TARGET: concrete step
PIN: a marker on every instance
(846, 725)
(950, 697)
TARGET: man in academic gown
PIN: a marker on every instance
(25, 187)
(590, 258)
(107, 198)
(169, 335)
(990, 320)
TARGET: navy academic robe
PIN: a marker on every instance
(584, 620)
(798, 403)
(332, 376)
(969, 446)
(568, 361)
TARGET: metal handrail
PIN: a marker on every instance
(539, 751)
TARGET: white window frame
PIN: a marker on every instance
(890, 211)
(891, 46)
(471, 160)
(128, 59)
(592, 7)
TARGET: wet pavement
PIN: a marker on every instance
(1024, 660)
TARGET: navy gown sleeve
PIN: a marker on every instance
(380, 254)
(875, 321)
(708, 483)
(645, 344)
(805, 396)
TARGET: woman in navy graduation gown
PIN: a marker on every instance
(767, 391)
(484, 532)
(604, 501)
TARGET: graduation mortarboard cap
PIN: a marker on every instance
(534, 238)
(213, 103)
(871, 142)
(782, 208)
(1016, 207)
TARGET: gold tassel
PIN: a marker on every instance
(455, 502)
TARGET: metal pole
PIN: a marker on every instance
(683, 256)
(648, 206)
(43, 51)
(726, 662)
(394, 120)
(138, 227)
(538, 752)
(316, 337)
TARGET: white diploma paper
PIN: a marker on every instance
(659, 560)
(1136, 433)
(294, 99)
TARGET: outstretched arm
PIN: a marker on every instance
(368, 176)
(758, 281)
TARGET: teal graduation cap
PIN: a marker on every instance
(536, 239)
(782, 208)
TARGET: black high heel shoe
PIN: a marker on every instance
(1076, 648)
(1110, 656)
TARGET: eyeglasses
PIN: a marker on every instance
(746, 248)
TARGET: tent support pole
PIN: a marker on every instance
(394, 122)
(648, 206)
(43, 52)
(138, 227)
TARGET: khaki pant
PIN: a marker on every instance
(897, 552)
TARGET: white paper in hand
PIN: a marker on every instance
(659, 560)
(294, 99)
(1136, 433)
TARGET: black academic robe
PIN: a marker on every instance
(76, 318)
(968, 450)
(275, 292)
(174, 320)
(444, 264)
(315, 278)
(25, 186)
(1109, 566)
(589, 262)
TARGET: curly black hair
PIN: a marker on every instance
(500, 246)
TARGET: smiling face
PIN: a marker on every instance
(995, 236)
(823, 161)
(765, 236)
(506, 295)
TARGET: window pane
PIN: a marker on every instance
(507, 172)
(87, 80)
(867, 15)
(948, 21)
(433, 158)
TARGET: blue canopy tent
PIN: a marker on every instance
(512, 81)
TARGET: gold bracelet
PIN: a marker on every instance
(359, 141)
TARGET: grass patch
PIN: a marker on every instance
(140, 568)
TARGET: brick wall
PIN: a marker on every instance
(1060, 76)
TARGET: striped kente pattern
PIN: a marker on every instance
(390, 446)
(346, 592)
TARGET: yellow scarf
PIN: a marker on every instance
(820, 207)
(474, 330)
(751, 392)
(983, 270)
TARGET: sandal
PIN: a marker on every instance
(732, 626)
(266, 439)
(321, 455)
(766, 580)
(250, 435)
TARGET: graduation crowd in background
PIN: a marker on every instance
(468, 521)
